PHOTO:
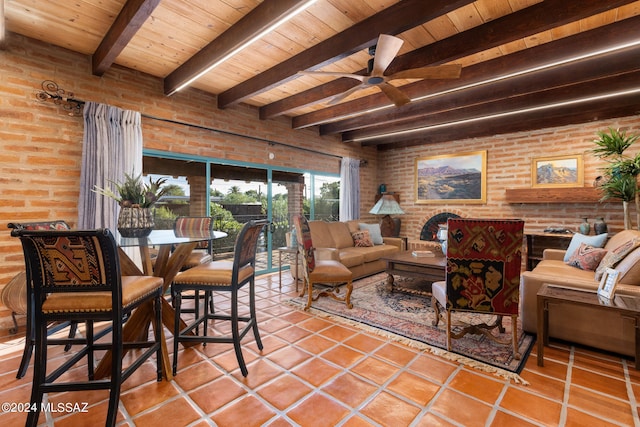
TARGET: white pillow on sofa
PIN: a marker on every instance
(595, 241)
(374, 232)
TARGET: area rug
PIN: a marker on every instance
(407, 317)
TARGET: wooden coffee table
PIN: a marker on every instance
(431, 269)
(624, 305)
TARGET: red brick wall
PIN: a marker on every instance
(509, 160)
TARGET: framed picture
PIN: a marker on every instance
(608, 283)
(558, 171)
(452, 178)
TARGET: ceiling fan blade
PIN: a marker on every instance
(386, 50)
(344, 94)
(334, 74)
(449, 71)
(394, 94)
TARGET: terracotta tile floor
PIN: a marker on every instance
(314, 372)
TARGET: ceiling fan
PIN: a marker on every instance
(383, 53)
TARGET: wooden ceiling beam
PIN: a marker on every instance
(526, 22)
(396, 19)
(595, 111)
(589, 69)
(130, 19)
(250, 25)
(513, 108)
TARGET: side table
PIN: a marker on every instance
(624, 305)
(289, 251)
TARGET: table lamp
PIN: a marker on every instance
(387, 206)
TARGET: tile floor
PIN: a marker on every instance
(314, 372)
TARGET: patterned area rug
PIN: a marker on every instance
(406, 317)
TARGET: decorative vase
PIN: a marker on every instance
(135, 222)
(585, 227)
(599, 226)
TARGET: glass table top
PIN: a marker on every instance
(169, 237)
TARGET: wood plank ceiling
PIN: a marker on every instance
(526, 64)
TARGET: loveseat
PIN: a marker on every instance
(583, 325)
(335, 240)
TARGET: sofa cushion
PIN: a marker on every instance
(376, 252)
(595, 241)
(558, 272)
(374, 230)
(587, 257)
(340, 235)
(616, 255)
(320, 234)
(362, 239)
(352, 256)
(354, 225)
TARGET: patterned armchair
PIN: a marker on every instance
(483, 276)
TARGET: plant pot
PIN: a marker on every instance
(135, 222)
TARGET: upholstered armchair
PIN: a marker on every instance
(330, 273)
(484, 260)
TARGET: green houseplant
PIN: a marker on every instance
(621, 173)
(135, 198)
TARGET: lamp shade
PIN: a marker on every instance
(387, 205)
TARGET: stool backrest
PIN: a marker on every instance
(40, 225)
(195, 226)
(247, 244)
(71, 261)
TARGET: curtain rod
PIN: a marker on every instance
(53, 93)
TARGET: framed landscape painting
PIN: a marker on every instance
(558, 171)
(452, 178)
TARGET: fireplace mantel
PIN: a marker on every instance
(553, 195)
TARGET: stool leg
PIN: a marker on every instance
(252, 311)
(236, 333)
(177, 302)
(39, 374)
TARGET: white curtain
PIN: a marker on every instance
(349, 189)
(112, 147)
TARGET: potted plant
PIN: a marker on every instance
(135, 198)
(621, 174)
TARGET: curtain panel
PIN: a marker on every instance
(112, 146)
(349, 189)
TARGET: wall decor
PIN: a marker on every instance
(557, 171)
(452, 178)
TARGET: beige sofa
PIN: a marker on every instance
(582, 325)
(333, 240)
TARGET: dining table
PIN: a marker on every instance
(174, 249)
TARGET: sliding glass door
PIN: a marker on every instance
(234, 193)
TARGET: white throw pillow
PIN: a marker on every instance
(374, 232)
(595, 241)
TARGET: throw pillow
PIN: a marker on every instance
(362, 239)
(374, 231)
(595, 241)
(586, 257)
(615, 256)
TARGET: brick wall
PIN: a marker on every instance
(509, 160)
